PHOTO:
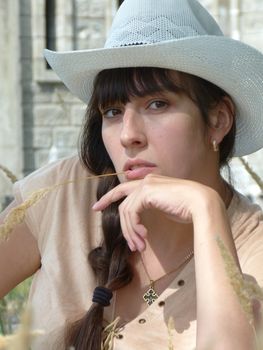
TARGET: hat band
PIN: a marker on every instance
(152, 31)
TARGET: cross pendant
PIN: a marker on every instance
(150, 295)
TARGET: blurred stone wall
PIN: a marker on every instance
(10, 94)
(57, 115)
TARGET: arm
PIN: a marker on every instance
(19, 256)
(221, 322)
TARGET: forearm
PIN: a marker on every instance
(221, 322)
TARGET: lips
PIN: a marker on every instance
(137, 169)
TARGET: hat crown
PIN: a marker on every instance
(152, 21)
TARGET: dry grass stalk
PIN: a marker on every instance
(17, 215)
(2, 342)
(259, 337)
(245, 290)
(8, 173)
(21, 340)
(62, 103)
(170, 328)
(109, 332)
(252, 173)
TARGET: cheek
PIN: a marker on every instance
(182, 147)
(106, 138)
(182, 134)
(111, 143)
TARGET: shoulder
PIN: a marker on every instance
(247, 226)
(245, 217)
(52, 173)
(66, 203)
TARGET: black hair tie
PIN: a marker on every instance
(102, 296)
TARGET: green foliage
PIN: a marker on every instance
(12, 305)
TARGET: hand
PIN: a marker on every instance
(178, 199)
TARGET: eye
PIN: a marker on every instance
(158, 104)
(111, 112)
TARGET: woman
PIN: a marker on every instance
(166, 131)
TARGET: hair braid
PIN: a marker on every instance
(110, 264)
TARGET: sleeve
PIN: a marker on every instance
(51, 207)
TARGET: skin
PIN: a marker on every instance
(19, 256)
(180, 205)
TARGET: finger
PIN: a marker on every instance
(134, 241)
(141, 230)
(135, 223)
(114, 195)
(140, 244)
(133, 229)
(135, 220)
(124, 228)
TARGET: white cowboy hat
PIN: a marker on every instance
(180, 35)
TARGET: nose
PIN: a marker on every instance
(132, 132)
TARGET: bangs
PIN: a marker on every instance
(120, 84)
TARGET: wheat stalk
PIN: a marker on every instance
(8, 173)
(170, 328)
(252, 173)
(245, 290)
(236, 280)
(109, 332)
(17, 214)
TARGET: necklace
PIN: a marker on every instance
(151, 295)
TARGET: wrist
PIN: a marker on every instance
(210, 205)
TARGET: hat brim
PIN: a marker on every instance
(230, 64)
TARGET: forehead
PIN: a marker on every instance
(120, 85)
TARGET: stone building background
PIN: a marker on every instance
(39, 119)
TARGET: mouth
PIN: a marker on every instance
(138, 169)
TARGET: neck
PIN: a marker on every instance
(217, 182)
(167, 243)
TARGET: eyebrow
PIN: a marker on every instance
(157, 93)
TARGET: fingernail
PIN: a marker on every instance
(95, 206)
(132, 247)
(141, 247)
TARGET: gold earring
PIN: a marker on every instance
(215, 146)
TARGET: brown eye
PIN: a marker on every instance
(157, 104)
(111, 113)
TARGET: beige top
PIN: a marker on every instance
(67, 229)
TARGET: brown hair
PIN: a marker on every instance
(110, 260)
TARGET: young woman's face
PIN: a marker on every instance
(163, 133)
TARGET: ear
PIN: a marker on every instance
(221, 120)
